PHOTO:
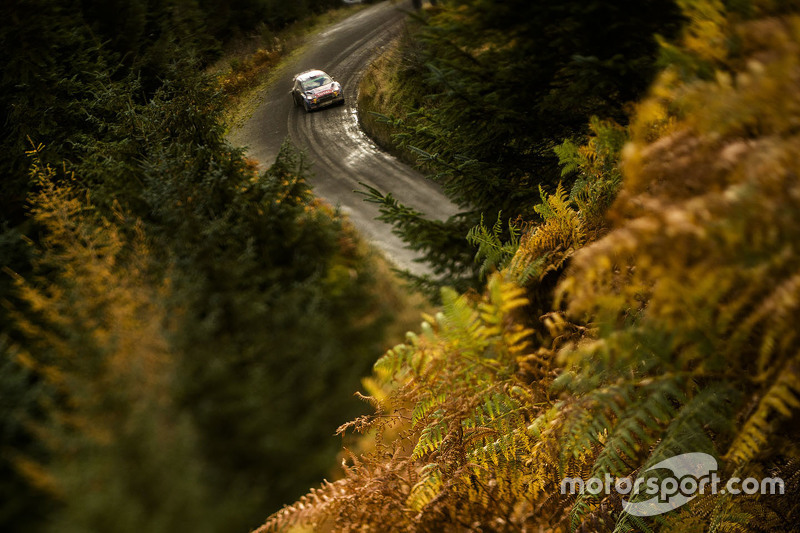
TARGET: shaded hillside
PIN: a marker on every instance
(180, 336)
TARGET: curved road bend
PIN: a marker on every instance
(341, 153)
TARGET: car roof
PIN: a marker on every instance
(303, 76)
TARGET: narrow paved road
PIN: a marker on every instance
(341, 153)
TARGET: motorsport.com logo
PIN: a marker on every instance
(691, 474)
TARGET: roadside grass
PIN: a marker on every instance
(380, 92)
(250, 64)
(389, 88)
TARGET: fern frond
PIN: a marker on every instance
(781, 400)
(430, 439)
(426, 489)
(493, 253)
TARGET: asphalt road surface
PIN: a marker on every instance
(341, 153)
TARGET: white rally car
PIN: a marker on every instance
(314, 89)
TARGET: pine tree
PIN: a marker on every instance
(500, 87)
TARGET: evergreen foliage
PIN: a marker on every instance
(492, 88)
(180, 335)
(60, 55)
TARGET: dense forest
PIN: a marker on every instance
(182, 334)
